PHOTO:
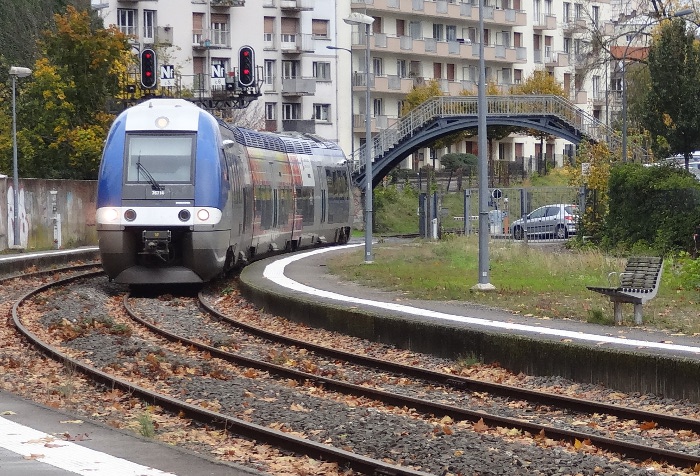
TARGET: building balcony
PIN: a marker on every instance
(580, 97)
(556, 59)
(544, 22)
(441, 9)
(297, 43)
(448, 50)
(297, 5)
(226, 3)
(210, 39)
(164, 35)
(298, 86)
(299, 125)
(572, 26)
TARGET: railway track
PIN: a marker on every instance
(443, 416)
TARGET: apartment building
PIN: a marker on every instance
(312, 64)
(201, 40)
(415, 41)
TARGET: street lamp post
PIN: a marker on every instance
(483, 283)
(352, 105)
(678, 14)
(359, 19)
(16, 72)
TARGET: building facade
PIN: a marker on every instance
(311, 64)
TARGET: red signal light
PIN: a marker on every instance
(148, 68)
(246, 66)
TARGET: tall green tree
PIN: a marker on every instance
(672, 104)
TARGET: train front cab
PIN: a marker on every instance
(164, 224)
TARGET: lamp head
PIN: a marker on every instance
(20, 72)
(357, 18)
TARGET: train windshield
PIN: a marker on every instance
(160, 158)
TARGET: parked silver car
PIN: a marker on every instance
(549, 221)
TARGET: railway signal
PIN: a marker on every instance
(149, 66)
(246, 66)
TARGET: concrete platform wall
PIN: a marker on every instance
(75, 204)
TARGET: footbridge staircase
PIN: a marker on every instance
(445, 115)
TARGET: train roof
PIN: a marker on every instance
(292, 143)
(163, 114)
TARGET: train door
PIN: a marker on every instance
(323, 194)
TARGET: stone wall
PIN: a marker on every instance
(39, 227)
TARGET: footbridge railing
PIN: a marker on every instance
(580, 124)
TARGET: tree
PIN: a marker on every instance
(21, 24)
(672, 103)
(62, 121)
(539, 82)
(422, 93)
(459, 163)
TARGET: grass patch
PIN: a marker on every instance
(547, 281)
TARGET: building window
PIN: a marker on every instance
(290, 28)
(322, 112)
(401, 70)
(322, 70)
(126, 21)
(377, 107)
(451, 33)
(415, 29)
(578, 11)
(517, 76)
(438, 30)
(291, 111)
(378, 66)
(269, 31)
(149, 25)
(596, 87)
(319, 28)
(596, 15)
(270, 72)
(270, 111)
(567, 45)
(290, 69)
(567, 12)
(219, 30)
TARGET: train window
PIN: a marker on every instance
(167, 159)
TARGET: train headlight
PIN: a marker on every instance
(184, 215)
(202, 214)
(130, 215)
(108, 215)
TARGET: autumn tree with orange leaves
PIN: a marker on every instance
(62, 117)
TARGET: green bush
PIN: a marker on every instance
(651, 208)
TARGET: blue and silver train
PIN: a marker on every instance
(183, 196)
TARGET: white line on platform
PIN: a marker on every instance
(36, 445)
(275, 273)
(43, 254)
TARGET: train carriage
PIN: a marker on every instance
(183, 197)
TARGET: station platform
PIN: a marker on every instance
(628, 358)
(35, 440)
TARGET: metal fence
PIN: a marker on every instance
(507, 208)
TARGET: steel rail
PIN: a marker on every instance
(219, 420)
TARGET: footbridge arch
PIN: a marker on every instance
(445, 115)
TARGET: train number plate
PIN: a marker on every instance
(156, 235)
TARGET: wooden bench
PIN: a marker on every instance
(637, 284)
